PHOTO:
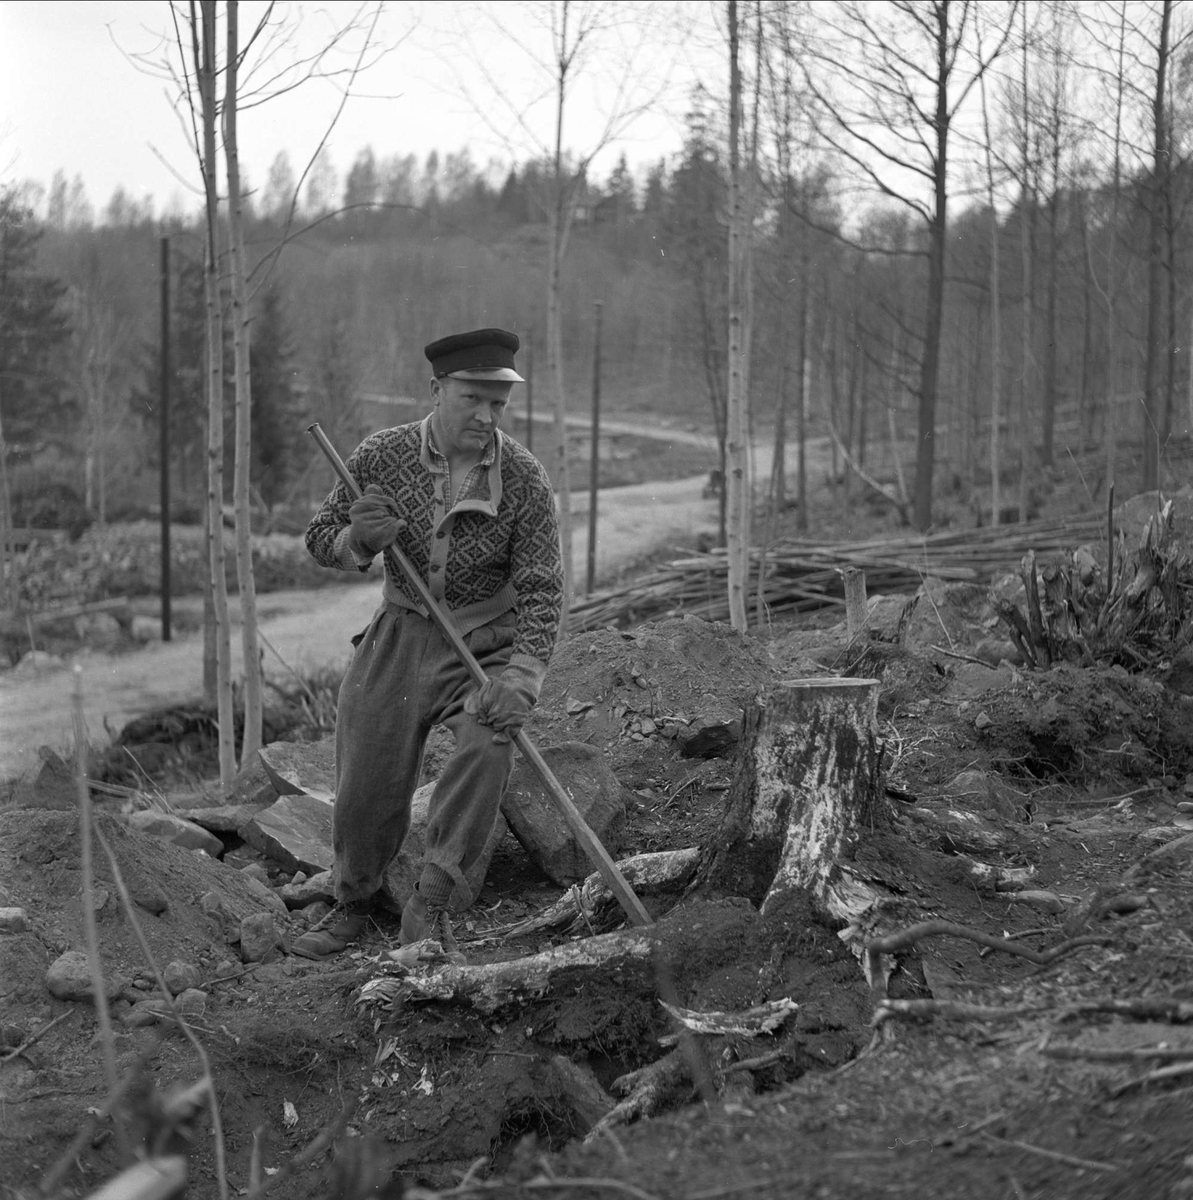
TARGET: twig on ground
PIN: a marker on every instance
(1106, 1054)
(758, 1062)
(969, 658)
(33, 1037)
(1012, 937)
(925, 929)
(464, 1190)
(1055, 1155)
(1175, 1071)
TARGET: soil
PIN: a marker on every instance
(1077, 774)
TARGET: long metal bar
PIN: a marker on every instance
(596, 852)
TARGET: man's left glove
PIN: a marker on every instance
(503, 704)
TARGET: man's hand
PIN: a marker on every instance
(375, 522)
(503, 705)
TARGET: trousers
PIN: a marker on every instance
(405, 678)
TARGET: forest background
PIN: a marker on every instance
(970, 252)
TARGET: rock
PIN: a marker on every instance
(403, 871)
(314, 913)
(13, 920)
(174, 829)
(181, 975)
(252, 785)
(260, 940)
(256, 871)
(224, 818)
(145, 1013)
(266, 895)
(302, 768)
(213, 905)
(537, 823)
(299, 895)
(1048, 902)
(191, 1002)
(708, 738)
(957, 831)
(69, 978)
(53, 787)
(295, 831)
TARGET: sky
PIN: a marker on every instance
(83, 89)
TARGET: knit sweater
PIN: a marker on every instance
(494, 549)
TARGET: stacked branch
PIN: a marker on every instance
(798, 575)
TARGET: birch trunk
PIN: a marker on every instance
(205, 73)
(736, 466)
(241, 499)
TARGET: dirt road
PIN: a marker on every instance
(307, 629)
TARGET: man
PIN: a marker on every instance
(474, 513)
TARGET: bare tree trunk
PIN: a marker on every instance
(995, 319)
(8, 583)
(205, 72)
(560, 224)
(1152, 417)
(736, 473)
(253, 703)
(934, 300)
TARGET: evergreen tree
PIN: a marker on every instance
(276, 417)
(36, 408)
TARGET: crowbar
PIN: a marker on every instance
(567, 807)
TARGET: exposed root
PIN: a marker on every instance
(647, 1091)
(874, 950)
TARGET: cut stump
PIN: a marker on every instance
(806, 790)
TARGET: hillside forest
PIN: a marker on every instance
(969, 258)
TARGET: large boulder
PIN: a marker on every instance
(535, 819)
(405, 867)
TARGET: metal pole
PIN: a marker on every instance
(164, 430)
(530, 396)
(588, 840)
(594, 467)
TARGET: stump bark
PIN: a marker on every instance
(805, 791)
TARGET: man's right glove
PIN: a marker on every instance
(375, 522)
(503, 703)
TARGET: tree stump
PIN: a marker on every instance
(805, 790)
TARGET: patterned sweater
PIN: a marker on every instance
(495, 549)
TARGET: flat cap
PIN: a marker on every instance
(478, 354)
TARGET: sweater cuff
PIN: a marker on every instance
(525, 671)
(346, 557)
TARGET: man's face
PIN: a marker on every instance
(468, 412)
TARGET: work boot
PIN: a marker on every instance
(421, 920)
(342, 926)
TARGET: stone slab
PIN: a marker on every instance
(175, 829)
(302, 768)
(224, 818)
(295, 831)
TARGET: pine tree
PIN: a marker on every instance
(276, 416)
(36, 408)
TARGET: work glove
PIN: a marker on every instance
(375, 522)
(503, 704)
